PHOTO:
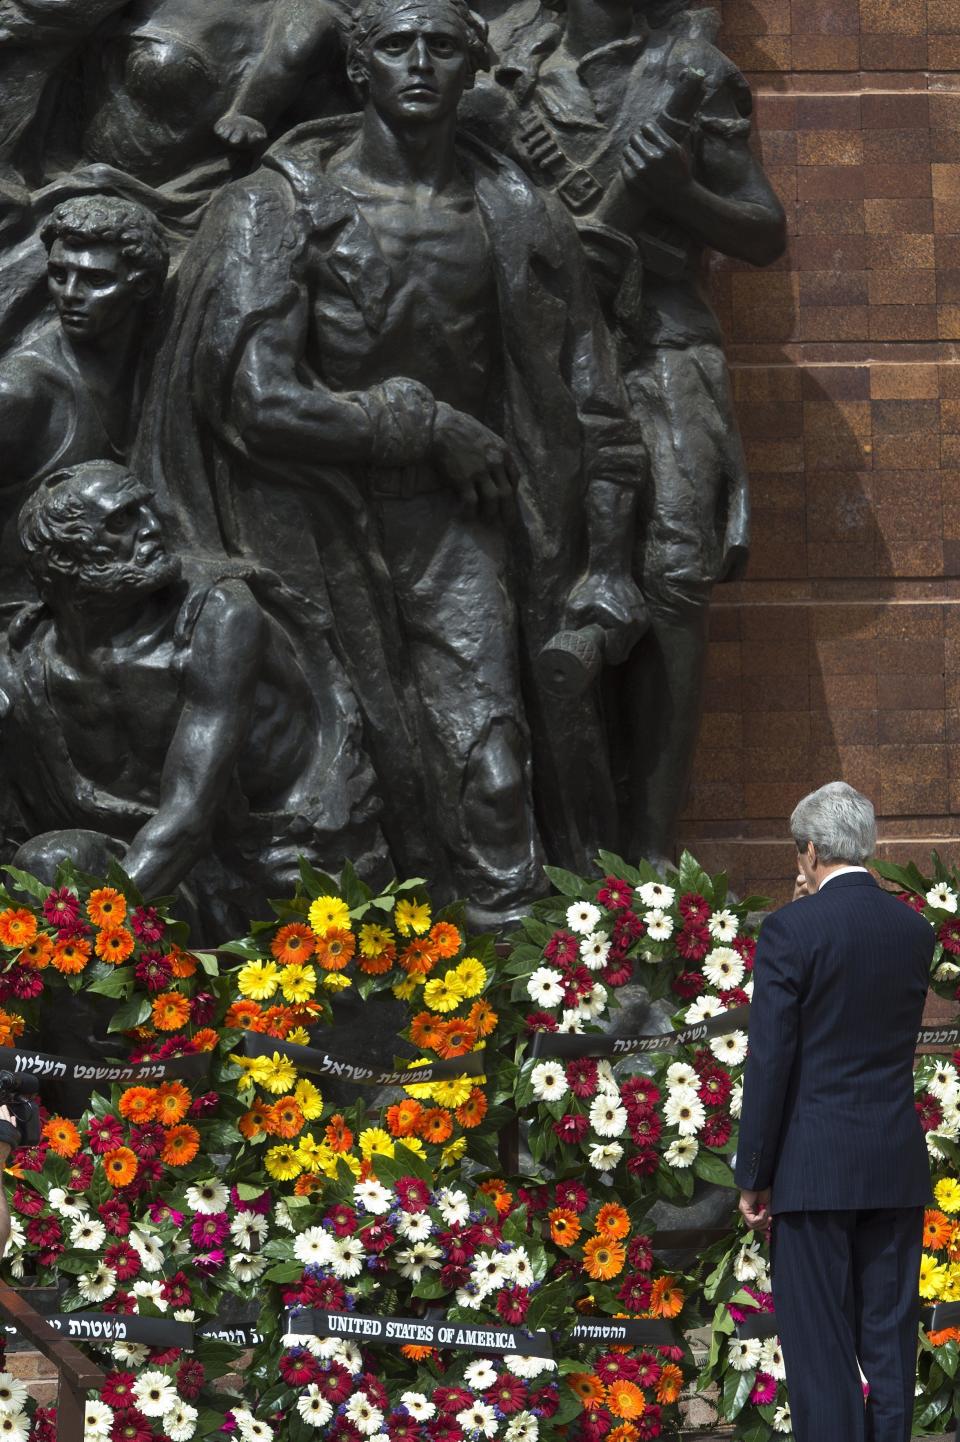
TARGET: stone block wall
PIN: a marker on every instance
(838, 654)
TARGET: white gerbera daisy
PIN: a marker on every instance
(13, 1394)
(607, 1117)
(155, 1393)
(681, 1074)
(942, 897)
(682, 1152)
(180, 1424)
(583, 917)
(453, 1206)
(749, 1265)
(313, 1407)
(363, 1414)
(723, 968)
(131, 1354)
(945, 1082)
(731, 1048)
(782, 1421)
(523, 1427)
(348, 1258)
(421, 1257)
(152, 1292)
(151, 1252)
(771, 1359)
(685, 1113)
(64, 1203)
(97, 1421)
(251, 1429)
(544, 986)
(247, 1267)
(548, 1081)
(947, 971)
(528, 1367)
(605, 1158)
(247, 1228)
(702, 1010)
(98, 1285)
(659, 925)
(723, 925)
(480, 1375)
(414, 1226)
(744, 1353)
(315, 1247)
(373, 1196)
(594, 950)
(14, 1426)
(656, 893)
(478, 1420)
(594, 1004)
(736, 1100)
(208, 1197)
(571, 1022)
(416, 1403)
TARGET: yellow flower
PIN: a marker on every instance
(328, 913)
(336, 981)
(308, 1099)
(374, 939)
(442, 993)
(258, 979)
(947, 1193)
(932, 1277)
(375, 1140)
(276, 1073)
(299, 1035)
(298, 982)
(412, 917)
(951, 1292)
(452, 1093)
(283, 1163)
(404, 990)
(246, 1063)
(470, 976)
(316, 1156)
(415, 1145)
(453, 1151)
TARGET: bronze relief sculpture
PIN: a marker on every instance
(433, 384)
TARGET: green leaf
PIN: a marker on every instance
(948, 1355)
(736, 1389)
(132, 1013)
(568, 884)
(316, 883)
(37, 889)
(207, 961)
(711, 1168)
(284, 1272)
(118, 982)
(906, 877)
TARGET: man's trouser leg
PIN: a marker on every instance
(887, 1244)
(813, 1291)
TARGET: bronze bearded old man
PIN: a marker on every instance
(387, 378)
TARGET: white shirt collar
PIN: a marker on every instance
(840, 871)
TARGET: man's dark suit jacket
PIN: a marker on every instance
(828, 1114)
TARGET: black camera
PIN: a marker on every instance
(18, 1094)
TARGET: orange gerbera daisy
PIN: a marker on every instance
(456, 1039)
(419, 957)
(496, 1189)
(120, 1166)
(170, 1011)
(62, 1135)
(308, 1182)
(426, 1030)
(173, 1102)
(946, 1334)
(180, 1146)
(472, 1112)
(379, 964)
(11, 1027)
(286, 1118)
(138, 1105)
(38, 954)
(625, 1399)
(337, 1134)
(666, 1297)
(241, 1015)
(106, 907)
(937, 1230)
(435, 1125)
(413, 1353)
(70, 957)
(565, 1226)
(293, 942)
(612, 1222)
(276, 1021)
(603, 1258)
(254, 1122)
(588, 1388)
(625, 1432)
(482, 1017)
(182, 963)
(671, 1383)
(18, 927)
(402, 1119)
(335, 949)
(446, 939)
(114, 945)
(206, 1039)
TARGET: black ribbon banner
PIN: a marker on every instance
(235, 1336)
(46, 1067)
(567, 1045)
(369, 1330)
(116, 1327)
(321, 1063)
(655, 1331)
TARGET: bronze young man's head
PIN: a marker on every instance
(413, 59)
(107, 258)
(90, 533)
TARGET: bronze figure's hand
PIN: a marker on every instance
(474, 460)
(613, 602)
(240, 131)
(654, 163)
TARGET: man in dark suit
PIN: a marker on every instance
(831, 1148)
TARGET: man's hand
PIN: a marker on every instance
(655, 165)
(755, 1209)
(475, 462)
(800, 887)
(613, 602)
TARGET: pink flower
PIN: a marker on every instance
(615, 893)
(764, 1390)
(582, 1076)
(61, 907)
(147, 923)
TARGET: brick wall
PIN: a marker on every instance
(837, 655)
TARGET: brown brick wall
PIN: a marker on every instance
(838, 654)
